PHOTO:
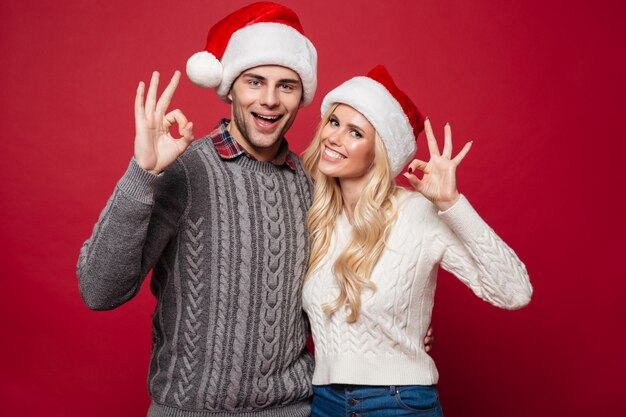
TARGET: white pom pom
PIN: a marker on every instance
(204, 70)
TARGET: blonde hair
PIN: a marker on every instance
(372, 219)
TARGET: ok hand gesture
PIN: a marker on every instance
(155, 147)
(438, 183)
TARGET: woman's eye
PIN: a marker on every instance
(357, 134)
(333, 122)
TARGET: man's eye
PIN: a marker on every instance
(254, 83)
(286, 86)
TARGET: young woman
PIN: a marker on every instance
(376, 249)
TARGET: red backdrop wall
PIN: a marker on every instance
(538, 85)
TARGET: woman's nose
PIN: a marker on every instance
(334, 138)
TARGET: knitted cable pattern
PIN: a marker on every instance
(295, 309)
(233, 394)
(223, 258)
(191, 334)
(273, 264)
(489, 274)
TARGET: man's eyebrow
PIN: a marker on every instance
(255, 76)
(289, 81)
(262, 78)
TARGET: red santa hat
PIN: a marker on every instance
(262, 33)
(392, 113)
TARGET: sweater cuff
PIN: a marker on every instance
(138, 183)
(463, 219)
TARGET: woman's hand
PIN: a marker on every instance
(438, 184)
(155, 147)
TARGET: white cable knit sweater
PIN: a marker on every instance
(385, 345)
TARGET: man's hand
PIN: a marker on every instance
(155, 147)
(429, 339)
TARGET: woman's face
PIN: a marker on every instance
(347, 144)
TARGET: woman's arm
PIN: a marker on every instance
(468, 248)
(461, 241)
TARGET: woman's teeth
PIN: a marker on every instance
(333, 154)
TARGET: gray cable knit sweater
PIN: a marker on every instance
(228, 244)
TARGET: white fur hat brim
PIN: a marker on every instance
(269, 44)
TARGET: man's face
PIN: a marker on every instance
(265, 101)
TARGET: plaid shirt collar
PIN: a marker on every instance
(228, 148)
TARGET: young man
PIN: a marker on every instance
(222, 222)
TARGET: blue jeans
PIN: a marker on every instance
(338, 400)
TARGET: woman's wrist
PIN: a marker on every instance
(444, 205)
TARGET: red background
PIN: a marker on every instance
(538, 85)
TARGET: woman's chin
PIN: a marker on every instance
(328, 171)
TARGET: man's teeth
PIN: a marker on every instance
(268, 118)
(333, 154)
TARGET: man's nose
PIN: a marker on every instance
(269, 98)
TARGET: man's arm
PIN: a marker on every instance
(142, 214)
(140, 218)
